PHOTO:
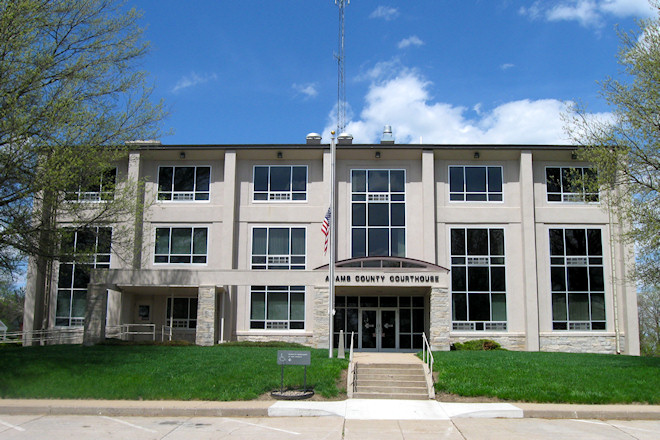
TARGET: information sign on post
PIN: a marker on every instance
(289, 357)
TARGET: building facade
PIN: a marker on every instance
(456, 242)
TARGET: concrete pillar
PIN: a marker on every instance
(95, 314)
(321, 329)
(529, 257)
(206, 305)
(228, 246)
(440, 319)
(428, 206)
(133, 178)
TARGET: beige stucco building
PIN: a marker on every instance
(457, 242)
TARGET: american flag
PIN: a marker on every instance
(325, 228)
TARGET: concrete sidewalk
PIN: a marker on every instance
(352, 409)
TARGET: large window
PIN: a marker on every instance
(577, 279)
(95, 190)
(478, 280)
(475, 184)
(181, 245)
(85, 249)
(277, 307)
(571, 184)
(280, 183)
(378, 213)
(184, 314)
(278, 248)
(184, 184)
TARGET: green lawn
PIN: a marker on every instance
(549, 377)
(152, 372)
(237, 372)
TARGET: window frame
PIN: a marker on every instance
(591, 263)
(489, 261)
(194, 193)
(273, 196)
(375, 198)
(169, 255)
(182, 323)
(262, 323)
(100, 196)
(93, 260)
(569, 197)
(491, 196)
(271, 261)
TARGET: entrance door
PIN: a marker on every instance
(369, 329)
(378, 329)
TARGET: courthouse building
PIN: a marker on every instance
(457, 242)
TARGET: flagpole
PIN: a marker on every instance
(331, 265)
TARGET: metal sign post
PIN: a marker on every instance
(287, 357)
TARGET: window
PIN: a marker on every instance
(184, 314)
(478, 280)
(280, 183)
(570, 184)
(475, 184)
(378, 213)
(277, 307)
(184, 184)
(577, 279)
(96, 190)
(278, 248)
(181, 245)
(85, 249)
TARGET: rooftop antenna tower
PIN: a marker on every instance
(341, 84)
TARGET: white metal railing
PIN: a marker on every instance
(350, 353)
(123, 330)
(168, 332)
(427, 358)
(58, 335)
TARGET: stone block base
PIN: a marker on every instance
(580, 343)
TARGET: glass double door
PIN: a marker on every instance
(378, 329)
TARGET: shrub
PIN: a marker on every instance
(477, 345)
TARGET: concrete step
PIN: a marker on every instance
(398, 396)
(391, 383)
(396, 390)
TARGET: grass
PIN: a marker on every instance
(549, 377)
(156, 372)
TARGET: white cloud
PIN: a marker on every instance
(193, 80)
(589, 13)
(507, 66)
(387, 13)
(402, 99)
(308, 90)
(413, 40)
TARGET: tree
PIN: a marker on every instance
(11, 304)
(625, 149)
(71, 94)
(649, 321)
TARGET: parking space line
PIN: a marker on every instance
(9, 425)
(265, 427)
(127, 424)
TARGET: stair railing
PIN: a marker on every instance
(427, 358)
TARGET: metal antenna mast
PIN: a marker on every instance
(341, 84)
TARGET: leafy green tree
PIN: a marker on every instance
(625, 148)
(11, 304)
(71, 95)
(649, 321)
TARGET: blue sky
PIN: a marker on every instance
(438, 71)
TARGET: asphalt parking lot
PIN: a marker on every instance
(35, 427)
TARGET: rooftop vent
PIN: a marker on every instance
(313, 139)
(345, 139)
(387, 135)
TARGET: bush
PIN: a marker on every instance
(477, 345)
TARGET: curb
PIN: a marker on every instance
(261, 409)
